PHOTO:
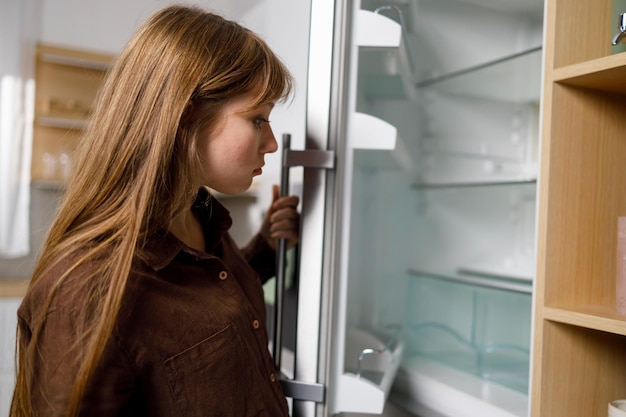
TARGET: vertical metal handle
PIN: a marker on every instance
(298, 390)
(281, 265)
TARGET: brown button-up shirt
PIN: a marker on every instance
(190, 338)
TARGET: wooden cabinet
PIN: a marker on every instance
(67, 82)
(580, 340)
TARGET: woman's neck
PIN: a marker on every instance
(187, 228)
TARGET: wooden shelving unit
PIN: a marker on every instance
(67, 82)
(12, 288)
(580, 339)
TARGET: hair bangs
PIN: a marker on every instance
(272, 81)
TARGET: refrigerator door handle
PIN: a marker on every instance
(309, 159)
(303, 391)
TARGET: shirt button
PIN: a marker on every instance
(273, 377)
(223, 275)
(256, 324)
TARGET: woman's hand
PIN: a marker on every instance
(282, 220)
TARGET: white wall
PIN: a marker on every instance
(8, 323)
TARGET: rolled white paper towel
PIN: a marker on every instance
(617, 408)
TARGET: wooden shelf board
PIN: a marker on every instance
(72, 57)
(589, 316)
(13, 288)
(62, 122)
(48, 184)
(606, 73)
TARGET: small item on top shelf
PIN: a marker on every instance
(621, 27)
(67, 108)
(617, 408)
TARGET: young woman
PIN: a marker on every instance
(141, 303)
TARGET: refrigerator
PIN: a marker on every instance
(413, 280)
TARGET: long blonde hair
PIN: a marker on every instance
(135, 171)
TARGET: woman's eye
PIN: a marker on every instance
(259, 121)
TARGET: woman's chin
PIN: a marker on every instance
(233, 190)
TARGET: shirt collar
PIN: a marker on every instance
(162, 247)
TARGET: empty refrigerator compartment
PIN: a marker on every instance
(474, 140)
(481, 125)
(482, 331)
(474, 127)
(514, 78)
(371, 360)
(471, 232)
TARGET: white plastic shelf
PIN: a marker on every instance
(377, 143)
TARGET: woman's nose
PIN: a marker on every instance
(270, 145)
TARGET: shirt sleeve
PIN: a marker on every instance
(261, 257)
(108, 391)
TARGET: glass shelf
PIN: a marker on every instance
(444, 185)
(494, 281)
(515, 78)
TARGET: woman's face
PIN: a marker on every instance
(233, 150)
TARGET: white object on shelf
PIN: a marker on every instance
(617, 408)
(365, 390)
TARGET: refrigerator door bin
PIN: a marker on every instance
(371, 359)
(377, 143)
(386, 67)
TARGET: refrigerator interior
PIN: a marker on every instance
(442, 228)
